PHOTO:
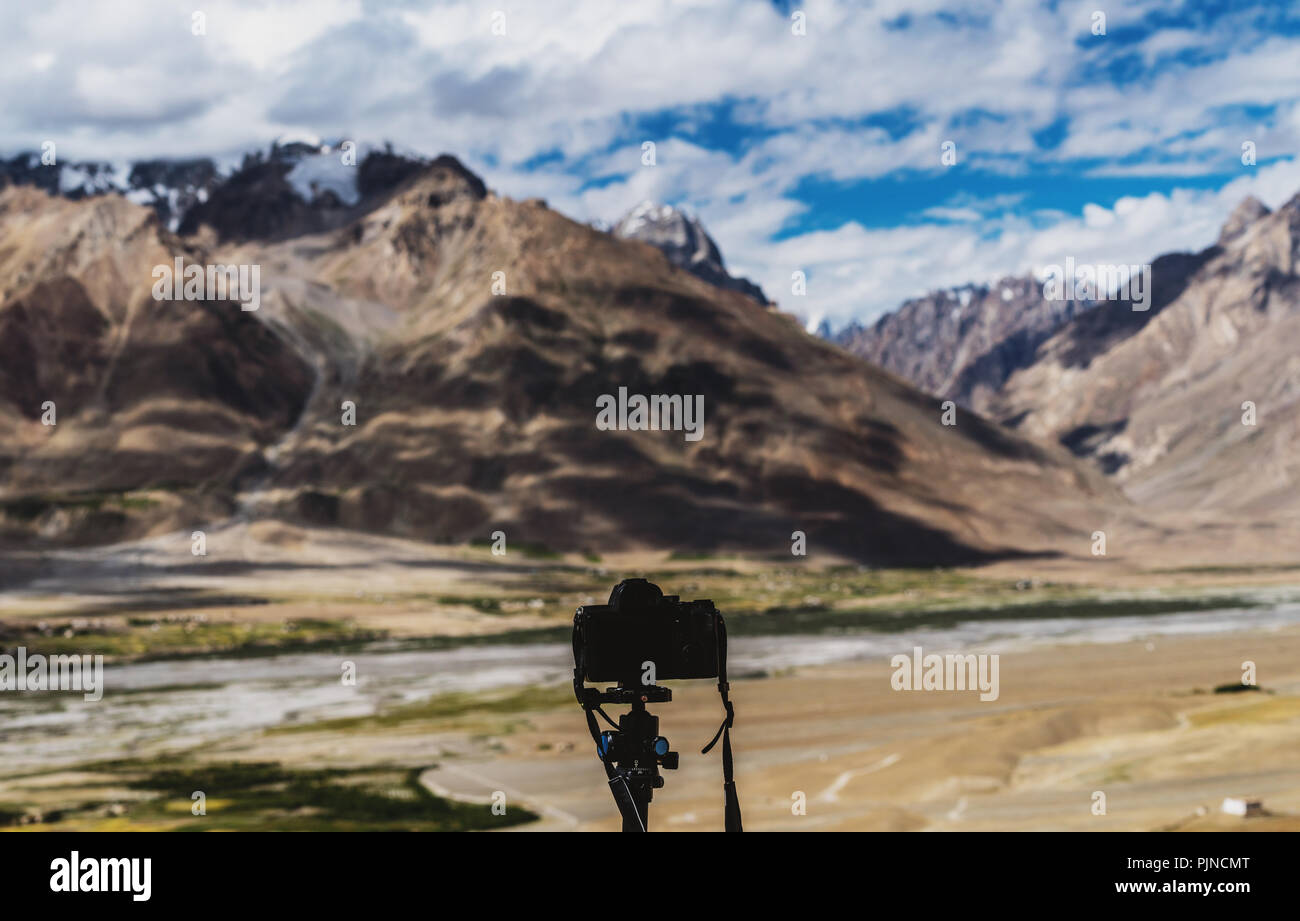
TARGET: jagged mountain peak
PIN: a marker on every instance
(962, 342)
(682, 238)
(1250, 210)
(296, 184)
(297, 190)
(679, 234)
(169, 187)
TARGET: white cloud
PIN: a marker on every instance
(942, 213)
(572, 77)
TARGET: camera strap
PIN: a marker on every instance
(732, 808)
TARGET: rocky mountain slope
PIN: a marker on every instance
(177, 395)
(471, 336)
(1154, 398)
(963, 343)
(1158, 400)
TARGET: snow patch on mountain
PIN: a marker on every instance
(324, 172)
(682, 238)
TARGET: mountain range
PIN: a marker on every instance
(1197, 403)
(962, 343)
(426, 361)
(1190, 404)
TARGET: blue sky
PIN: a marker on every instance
(814, 149)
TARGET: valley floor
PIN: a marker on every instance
(429, 735)
(1137, 722)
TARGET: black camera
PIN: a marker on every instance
(612, 642)
(642, 628)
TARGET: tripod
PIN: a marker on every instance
(634, 752)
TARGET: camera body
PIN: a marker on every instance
(611, 642)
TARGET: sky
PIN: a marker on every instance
(808, 137)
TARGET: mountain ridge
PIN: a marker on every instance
(475, 395)
(962, 343)
(1161, 406)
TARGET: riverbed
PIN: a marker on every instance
(183, 703)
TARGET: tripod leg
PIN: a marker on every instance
(632, 804)
(638, 817)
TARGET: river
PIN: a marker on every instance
(183, 703)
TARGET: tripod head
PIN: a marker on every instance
(634, 750)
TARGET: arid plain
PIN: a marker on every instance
(224, 672)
